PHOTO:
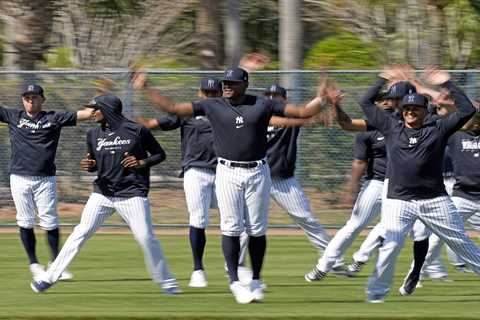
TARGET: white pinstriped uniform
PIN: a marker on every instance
(199, 187)
(289, 195)
(243, 198)
(35, 194)
(367, 207)
(398, 217)
(135, 211)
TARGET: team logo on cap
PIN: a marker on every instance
(210, 83)
(30, 87)
(229, 73)
(411, 99)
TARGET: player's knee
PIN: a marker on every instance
(199, 224)
(49, 223)
(256, 231)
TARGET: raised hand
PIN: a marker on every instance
(254, 61)
(443, 99)
(139, 80)
(88, 163)
(435, 77)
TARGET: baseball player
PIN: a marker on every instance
(370, 156)
(415, 187)
(286, 191)
(34, 136)
(122, 153)
(242, 183)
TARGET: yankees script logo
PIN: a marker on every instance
(470, 145)
(111, 144)
(25, 123)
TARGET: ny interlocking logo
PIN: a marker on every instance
(239, 122)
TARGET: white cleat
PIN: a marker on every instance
(256, 287)
(244, 275)
(198, 279)
(37, 271)
(66, 275)
(242, 294)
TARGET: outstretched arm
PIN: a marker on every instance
(85, 114)
(161, 102)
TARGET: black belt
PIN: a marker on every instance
(245, 165)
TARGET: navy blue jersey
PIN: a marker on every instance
(464, 150)
(34, 141)
(370, 147)
(447, 165)
(415, 155)
(240, 131)
(196, 140)
(282, 151)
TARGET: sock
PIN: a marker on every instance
(231, 251)
(257, 247)
(420, 249)
(197, 243)
(53, 239)
(28, 239)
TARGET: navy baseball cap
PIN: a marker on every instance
(276, 89)
(235, 75)
(415, 99)
(399, 90)
(210, 84)
(106, 100)
(32, 88)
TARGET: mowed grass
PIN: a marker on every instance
(111, 283)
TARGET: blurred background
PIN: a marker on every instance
(74, 48)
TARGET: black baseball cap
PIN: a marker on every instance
(106, 100)
(235, 75)
(415, 99)
(276, 89)
(210, 84)
(399, 90)
(32, 88)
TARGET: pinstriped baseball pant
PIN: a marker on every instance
(398, 217)
(135, 211)
(289, 195)
(35, 194)
(243, 198)
(199, 187)
(367, 207)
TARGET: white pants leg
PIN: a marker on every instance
(398, 218)
(35, 194)
(441, 216)
(433, 267)
(136, 213)
(199, 187)
(289, 195)
(467, 209)
(371, 243)
(97, 209)
(366, 208)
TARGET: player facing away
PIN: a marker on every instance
(415, 186)
(199, 162)
(242, 183)
(34, 136)
(121, 152)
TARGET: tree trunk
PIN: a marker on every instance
(207, 29)
(233, 33)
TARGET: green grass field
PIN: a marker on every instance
(111, 283)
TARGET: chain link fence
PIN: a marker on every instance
(324, 155)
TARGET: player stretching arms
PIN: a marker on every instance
(122, 153)
(34, 135)
(415, 188)
(242, 181)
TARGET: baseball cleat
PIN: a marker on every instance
(66, 275)
(315, 275)
(171, 287)
(409, 284)
(242, 294)
(355, 267)
(40, 286)
(256, 287)
(37, 271)
(375, 298)
(198, 279)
